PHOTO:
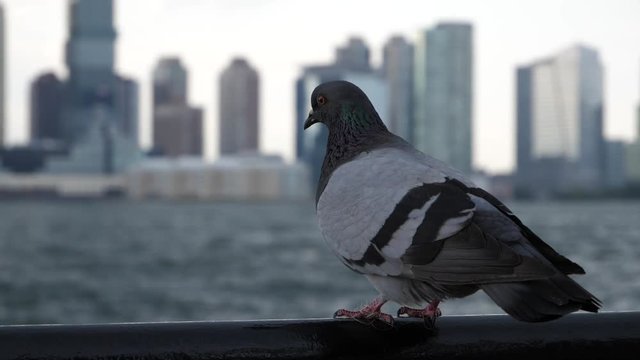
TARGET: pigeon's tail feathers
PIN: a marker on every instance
(542, 300)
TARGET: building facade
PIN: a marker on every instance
(247, 177)
(354, 55)
(100, 150)
(47, 97)
(170, 80)
(90, 58)
(178, 130)
(560, 125)
(239, 108)
(615, 172)
(443, 94)
(397, 69)
(177, 126)
(99, 115)
(127, 103)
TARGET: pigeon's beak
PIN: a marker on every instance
(310, 120)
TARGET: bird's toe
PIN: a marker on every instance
(402, 312)
(342, 313)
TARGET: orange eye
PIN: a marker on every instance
(322, 100)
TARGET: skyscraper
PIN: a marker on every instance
(559, 117)
(178, 130)
(353, 56)
(99, 116)
(90, 58)
(126, 103)
(239, 97)
(47, 96)
(177, 127)
(523, 125)
(169, 82)
(443, 93)
(397, 68)
(2, 46)
(614, 166)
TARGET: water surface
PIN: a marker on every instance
(114, 261)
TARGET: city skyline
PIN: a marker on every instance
(495, 117)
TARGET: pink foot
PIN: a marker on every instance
(368, 314)
(429, 313)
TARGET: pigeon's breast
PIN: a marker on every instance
(362, 193)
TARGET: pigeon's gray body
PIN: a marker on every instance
(420, 231)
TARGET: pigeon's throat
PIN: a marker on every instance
(356, 122)
(348, 137)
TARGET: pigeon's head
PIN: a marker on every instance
(342, 105)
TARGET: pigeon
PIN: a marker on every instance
(420, 231)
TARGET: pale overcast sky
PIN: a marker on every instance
(280, 36)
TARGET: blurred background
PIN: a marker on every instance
(154, 167)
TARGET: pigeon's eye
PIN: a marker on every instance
(322, 100)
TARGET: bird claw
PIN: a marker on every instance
(428, 314)
(371, 318)
(419, 313)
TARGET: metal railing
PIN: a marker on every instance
(577, 336)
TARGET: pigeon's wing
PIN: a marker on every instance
(409, 221)
(449, 249)
(492, 214)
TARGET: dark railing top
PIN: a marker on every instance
(578, 336)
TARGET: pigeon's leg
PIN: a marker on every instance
(429, 313)
(367, 314)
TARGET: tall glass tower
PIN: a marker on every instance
(90, 57)
(560, 121)
(443, 93)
